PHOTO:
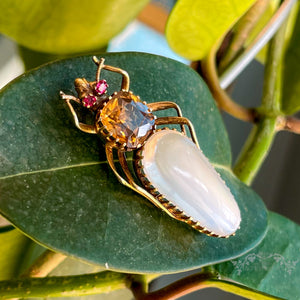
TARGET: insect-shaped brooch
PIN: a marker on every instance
(170, 169)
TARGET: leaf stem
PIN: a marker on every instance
(177, 289)
(208, 66)
(4, 222)
(64, 286)
(241, 290)
(239, 64)
(44, 264)
(244, 28)
(255, 150)
(197, 282)
(261, 137)
(288, 123)
(271, 100)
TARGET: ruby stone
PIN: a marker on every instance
(101, 87)
(89, 100)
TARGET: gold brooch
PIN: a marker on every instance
(170, 169)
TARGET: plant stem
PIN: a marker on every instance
(197, 282)
(241, 290)
(64, 286)
(288, 123)
(261, 137)
(139, 286)
(255, 150)
(177, 289)
(271, 100)
(4, 222)
(210, 74)
(244, 28)
(44, 264)
(239, 64)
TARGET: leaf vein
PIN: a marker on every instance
(94, 163)
(54, 169)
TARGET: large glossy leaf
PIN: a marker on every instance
(291, 78)
(57, 187)
(13, 245)
(274, 266)
(65, 27)
(194, 26)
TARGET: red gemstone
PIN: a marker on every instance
(89, 101)
(101, 87)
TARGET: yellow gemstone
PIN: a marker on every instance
(127, 119)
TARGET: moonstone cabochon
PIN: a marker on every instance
(180, 171)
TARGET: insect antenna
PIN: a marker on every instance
(100, 64)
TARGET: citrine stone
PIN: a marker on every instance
(127, 119)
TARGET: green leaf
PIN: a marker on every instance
(58, 188)
(273, 266)
(291, 78)
(13, 246)
(194, 26)
(66, 27)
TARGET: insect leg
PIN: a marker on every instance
(83, 127)
(162, 105)
(125, 76)
(137, 188)
(110, 159)
(69, 97)
(180, 121)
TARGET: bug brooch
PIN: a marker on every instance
(169, 167)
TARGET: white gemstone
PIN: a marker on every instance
(184, 176)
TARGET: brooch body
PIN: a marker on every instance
(170, 169)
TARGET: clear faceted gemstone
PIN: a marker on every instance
(127, 119)
(183, 175)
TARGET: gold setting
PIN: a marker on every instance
(172, 209)
(113, 143)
